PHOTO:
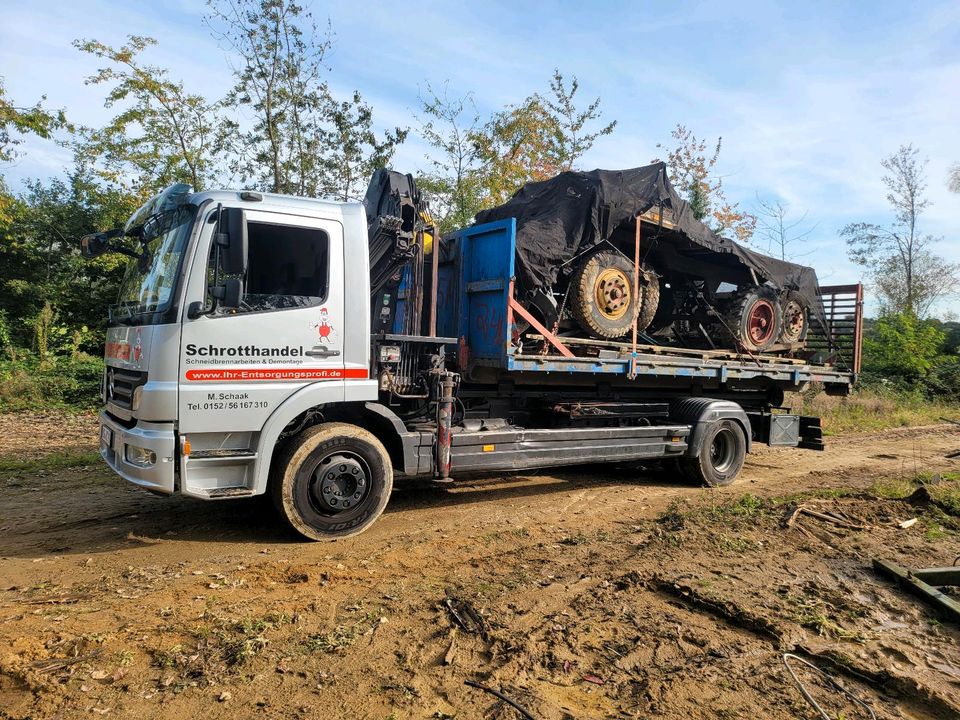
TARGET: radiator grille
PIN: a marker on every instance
(120, 386)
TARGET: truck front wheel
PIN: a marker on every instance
(332, 481)
(721, 456)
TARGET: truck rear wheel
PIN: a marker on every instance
(721, 456)
(332, 481)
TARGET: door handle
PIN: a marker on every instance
(322, 352)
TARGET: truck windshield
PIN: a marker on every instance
(148, 284)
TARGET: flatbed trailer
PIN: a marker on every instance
(269, 357)
(632, 401)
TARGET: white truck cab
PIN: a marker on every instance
(196, 393)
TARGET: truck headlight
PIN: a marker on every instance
(141, 457)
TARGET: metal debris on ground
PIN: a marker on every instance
(466, 616)
(924, 583)
(834, 683)
(512, 703)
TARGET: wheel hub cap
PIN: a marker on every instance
(794, 319)
(340, 482)
(761, 323)
(612, 293)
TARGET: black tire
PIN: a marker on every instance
(755, 318)
(721, 456)
(651, 300)
(609, 276)
(359, 481)
(796, 319)
(663, 315)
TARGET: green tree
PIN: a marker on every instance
(279, 79)
(903, 346)
(908, 276)
(535, 140)
(40, 262)
(163, 134)
(519, 144)
(353, 152)
(16, 121)
(575, 137)
(692, 168)
(453, 182)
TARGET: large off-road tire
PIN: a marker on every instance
(651, 300)
(796, 319)
(332, 481)
(721, 455)
(754, 317)
(602, 299)
(666, 306)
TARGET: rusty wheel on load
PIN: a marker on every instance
(795, 320)
(755, 318)
(602, 297)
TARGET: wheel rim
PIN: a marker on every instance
(794, 320)
(339, 482)
(723, 450)
(613, 293)
(761, 322)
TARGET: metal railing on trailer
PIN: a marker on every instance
(839, 343)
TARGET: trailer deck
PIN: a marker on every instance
(477, 306)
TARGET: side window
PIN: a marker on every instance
(287, 267)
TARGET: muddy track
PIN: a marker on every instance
(178, 607)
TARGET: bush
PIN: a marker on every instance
(944, 380)
(62, 382)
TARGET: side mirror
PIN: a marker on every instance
(93, 245)
(233, 257)
(232, 293)
(227, 296)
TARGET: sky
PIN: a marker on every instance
(808, 97)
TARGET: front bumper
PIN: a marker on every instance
(160, 438)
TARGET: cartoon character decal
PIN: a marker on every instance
(325, 330)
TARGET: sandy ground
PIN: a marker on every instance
(594, 592)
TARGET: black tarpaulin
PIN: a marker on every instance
(560, 218)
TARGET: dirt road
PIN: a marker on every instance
(593, 592)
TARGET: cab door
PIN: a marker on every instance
(238, 365)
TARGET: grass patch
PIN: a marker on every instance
(892, 488)
(870, 409)
(48, 463)
(340, 638)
